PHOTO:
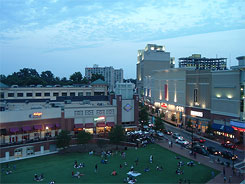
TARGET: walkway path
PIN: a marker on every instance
(208, 162)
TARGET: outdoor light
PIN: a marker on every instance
(218, 95)
(229, 96)
(46, 128)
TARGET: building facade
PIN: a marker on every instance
(202, 63)
(110, 74)
(153, 57)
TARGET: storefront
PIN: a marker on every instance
(109, 126)
(198, 118)
(89, 127)
(78, 127)
(223, 130)
(100, 128)
(239, 130)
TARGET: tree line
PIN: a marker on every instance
(29, 76)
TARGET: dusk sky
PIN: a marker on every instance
(66, 36)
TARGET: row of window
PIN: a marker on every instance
(47, 94)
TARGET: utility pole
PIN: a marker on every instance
(224, 130)
(192, 138)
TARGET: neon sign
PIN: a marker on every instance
(36, 115)
(196, 113)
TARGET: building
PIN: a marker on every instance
(153, 57)
(125, 89)
(30, 128)
(202, 63)
(110, 74)
(14, 92)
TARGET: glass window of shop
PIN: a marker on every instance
(224, 134)
(89, 130)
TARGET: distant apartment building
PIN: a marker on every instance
(202, 63)
(110, 74)
(153, 57)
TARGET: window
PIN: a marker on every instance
(55, 94)
(2, 94)
(72, 94)
(10, 94)
(46, 94)
(64, 94)
(88, 93)
(19, 94)
(29, 94)
(38, 94)
(80, 93)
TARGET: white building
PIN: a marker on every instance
(110, 74)
(125, 89)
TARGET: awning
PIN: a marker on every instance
(79, 126)
(27, 128)
(38, 127)
(89, 125)
(100, 125)
(237, 124)
(110, 124)
(57, 125)
(222, 128)
(14, 130)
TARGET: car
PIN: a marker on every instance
(160, 134)
(168, 132)
(200, 140)
(182, 142)
(200, 150)
(228, 155)
(229, 145)
(213, 150)
(176, 135)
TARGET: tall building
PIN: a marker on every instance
(153, 57)
(110, 74)
(202, 63)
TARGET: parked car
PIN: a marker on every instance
(200, 140)
(160, 134)
(182, 142)
(213, 150)
(229, 145)
(228, 155)
(200, 150)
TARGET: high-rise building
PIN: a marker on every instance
(110, 74)
(153, 57)
(202, 63)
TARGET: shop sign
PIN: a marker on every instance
(127, 107)
(171, 107)
(164, 105)
(197, 113)
(36, 115)
(157, 104)
(100, 119)
(180, 108)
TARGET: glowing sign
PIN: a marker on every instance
(127, 107)
(196, 113)
(36, 115)
(164, 105)
(100, 119)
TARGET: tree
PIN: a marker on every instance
(76, 78)
(209, 129)
(47, 77)
(96, 77)
(85, 80)
(159, 124)
(143, 116)
(63, 139)
(117, 134)
(173, 117)
(189, 123)
(162, 115)
(83, 137)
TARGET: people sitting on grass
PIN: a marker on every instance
(8, 172)
(78, 174)
(191, 163)
(104, 161)
(91, 152)
(180, 163)
(147, 169)
(38, 178)
(114, 173)
(80, 165)
(52, 182)
(159, 168)
(125, 164)
(179, 172)
(132, 168)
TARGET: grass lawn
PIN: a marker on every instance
(59, 168)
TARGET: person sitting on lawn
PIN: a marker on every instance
(52, 182)
(91, 152)
(159, 168)
(125, 163)
(8, 172)
(114, 173)
(147, 169)
(120, 166)
(132, 168)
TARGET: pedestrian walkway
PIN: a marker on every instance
(234, 178)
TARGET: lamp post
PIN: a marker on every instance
(192, 138)
(224, 130)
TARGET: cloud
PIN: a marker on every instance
(63, 9)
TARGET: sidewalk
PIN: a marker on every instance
(206, 161)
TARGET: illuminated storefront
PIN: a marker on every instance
(89, 127)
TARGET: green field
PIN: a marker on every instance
(59, 168)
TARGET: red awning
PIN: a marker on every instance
(89, 125)
(38, 127)
(100, 124)
(27, 128)
(14, 130)
(79, 126)
(57, 125)
(110, 124)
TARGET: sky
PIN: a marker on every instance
(65, 36)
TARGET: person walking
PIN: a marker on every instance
(212, 173)
(224, 179)
(224, 171)
(95, 168)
